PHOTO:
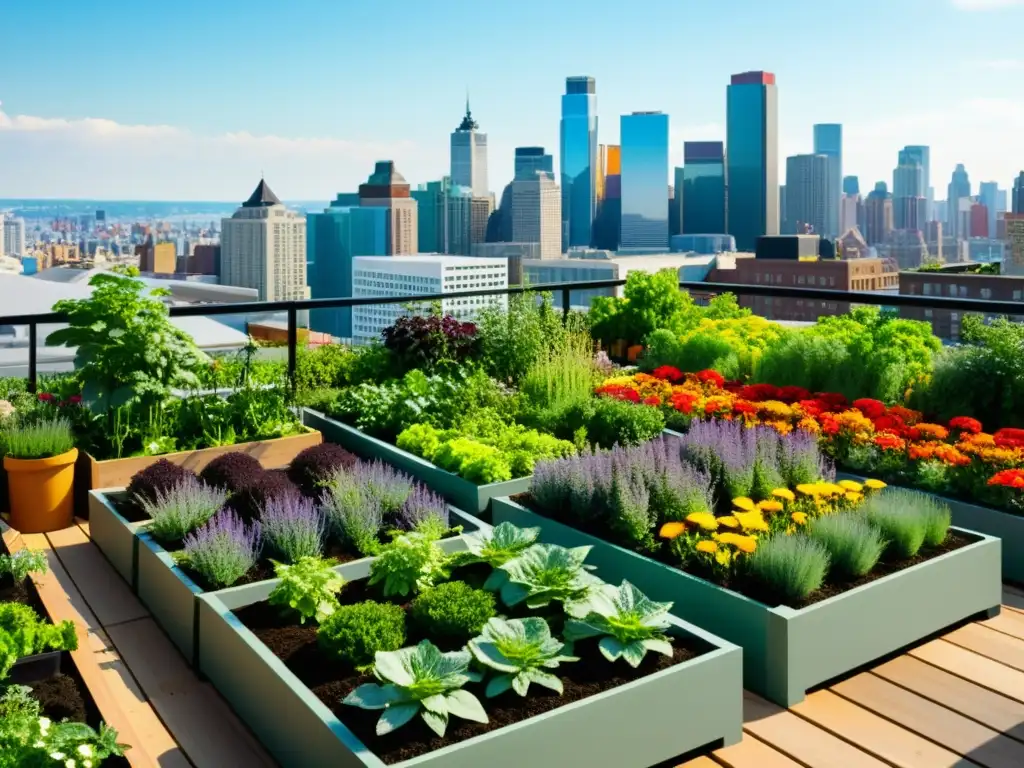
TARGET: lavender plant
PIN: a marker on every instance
(352, 515)
(180, 509)
(223, 550)
(726, 450)
(384, 483)
(800, 460)
(424, 511)
(292, 527)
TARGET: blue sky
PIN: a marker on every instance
(192, 100)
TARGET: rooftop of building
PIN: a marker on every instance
(434, 258)
(262, 197)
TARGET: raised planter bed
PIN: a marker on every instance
(636, 725)
(788, 651)
(471, 497)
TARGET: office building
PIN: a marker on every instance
(703, 244)
(160, 258)
(907, 247)
(607, 165)
(514, 253)
(851, 185)
(1017, 205)
(985, 250)
(807, 182)
(918, 154)
(752, 161)
(644, 217)
(703, 186)
(828, 141)
(609, 210)
(959, 190)
(851, 213)
(409, 275)
(955, 282)
(469, 155)
(387, 188)
(989, 196)
(878, 214)
(979, 220)
(205, 260)
(537, 212)
(13, 237)
(467, 219)
(263, 246)
(529, 160)
(578, 161)
(431, 216)
(910, 205)
(1013, 260)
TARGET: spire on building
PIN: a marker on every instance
(262, 197)
(468, 123)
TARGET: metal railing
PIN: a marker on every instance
(565, 290)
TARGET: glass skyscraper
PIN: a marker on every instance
(529, 160)
(579, 161)
(828, 141)
(752, 160)
(703, 189)
(644, 218)
(921, 155)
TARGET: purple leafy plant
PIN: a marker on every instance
(160, 476)
(271, 485)
(223, 550)
(232, 471)
(313, 467)
(292, 527)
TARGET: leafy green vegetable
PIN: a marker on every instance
(409, 564)
(521, 649)
(453, 610)
(545, 573)
(420, 680)
(22, 563)
(504, 542)
(353, 634)
(627, 621)
(23, 633)
(309, 587)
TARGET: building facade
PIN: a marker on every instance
(807, 183)
(1013, 261)
(387, 188)
(431, 216)
(13, 237)
(529, 160)
(537, 212)
(644, 184)
(469, 156)
(878, 214)
(1017, 205)
(828, 141)
(918, 154)
(578, 161)
(703, 187)
(945, 323)
(704, 244)
(910, 205)
(752, 140)
(989, 195)
(959, 190)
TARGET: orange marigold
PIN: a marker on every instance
(672, 530)
(933, 431)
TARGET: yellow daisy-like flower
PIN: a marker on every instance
(707, 546)
(784, 493)
(705, 520)
(800, 518)
(751, 521)
(671, 530)
(874, 485)
(808, 489)
(854, 497)
(746, 544)
(770, 505)
(743, 503)
(851, 485)
(723, 557)
(729, 521)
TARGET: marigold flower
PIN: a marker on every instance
(808, 489)
(870, 408)
(965, 424)
(704, 520)
(672, 530)
(744, 503)
(745, 544)
(873, 484)
(728, 521)
(800, 518)
(1008, 478)
(667, 373)
(933, 431)
(723, 557)
(652, 400)
(751, 521)
(851, 485)
(784, 493)
(707, 545)
(808, 424)
(711, 377)
(889, 442)
(770, 505)
(854, 497)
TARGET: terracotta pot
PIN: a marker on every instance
(41, 492)
(633, 353)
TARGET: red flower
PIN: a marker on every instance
(889, 423)
(711, 377)
(46, 397)
(75, 399)
(834, 400)
(1008, 478)
(829, 425)
(745, 407)
(758, 392)
(965, 424)
(667, 373)
(889, 442)
(619, 392)
(870, 408)
(684, 401)
(813, 408)
(1008, 437)
(791, 394)
(652, 400)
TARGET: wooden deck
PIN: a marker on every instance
(954, 701)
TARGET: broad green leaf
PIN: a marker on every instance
(498, 685)
(395, 666)
(437, 723)
(488, 653)
(396, 716)
(521, 684)
(465, 705)
(435, 704)
(634, 654)
(610, 647)
(368, 696)
(658, 645)
(547, 680)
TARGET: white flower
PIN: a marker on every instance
(85, 750)
(44, 725)
(6, 409)
(69, 763)
(57, 755)
(39, 745)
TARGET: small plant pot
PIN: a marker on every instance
(41, 492)
(35, 669)
(633, 353)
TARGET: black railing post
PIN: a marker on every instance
(293, 343)
(32, 373)
(565, 305)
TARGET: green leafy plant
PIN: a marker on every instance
(309, 587)
(853, 545)
(545, 573)
(789, 567)
(353, 634)
(613, 421)
(503, 543)
(453, 610)
(23, 633)
(904, 518)
(522, 650)
(408, 564)
(39, 440)
(513, 339)
(420, 680)
(628, 622)
(182, 508)
(23, 562)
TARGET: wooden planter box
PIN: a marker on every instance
(171, 596)
(987, 520)
(116, 473)
(464, 494)
(788, 651)
(636, 725)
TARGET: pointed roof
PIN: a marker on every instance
(262, 197)
(468, 123)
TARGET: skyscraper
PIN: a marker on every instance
(263, 246)
(878, 218)
(988, 195)
(703, 190)
(752, 160)
(578, 161)
(808, 179)
(644, 220)
(387, 188)
(537, 212)
(1018, 194)
(430, 215)
(910, 206)
(920, 154)
(851, 185)
(609, 210)
(828, 141)
(13, 237)
(959, 188)
(469, 155)
(529, 160)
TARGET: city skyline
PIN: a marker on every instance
(180, 128)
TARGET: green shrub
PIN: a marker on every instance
(354, 633)
(512, 340)
(324, 367)
(790, 567)
(453, 611)
(23, 633)
(854, 546)
(41, 440)
(904, 518)
(938, 518)
(619, 422)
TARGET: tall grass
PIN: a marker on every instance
(562, 375)
(40, 440)
(854, 546)
(908, 519)
(789, 567)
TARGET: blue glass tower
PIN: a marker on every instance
(644, 220)
(579, 161)
(705, 202)
(921, 155)
(828, 141)
(529, 160)
(752, 157)
(851, 185)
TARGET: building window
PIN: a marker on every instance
(800, 280)
(986, 293)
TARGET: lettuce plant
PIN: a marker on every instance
(22, 563)
(521, 650)
(628, 622)
(545, 573)
(309, 587)
(23, 633)
(504, 542)
(409, 564)
(420, 680)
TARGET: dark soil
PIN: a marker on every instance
(756, 591)
(331, 681)
(127, 509)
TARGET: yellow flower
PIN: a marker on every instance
(854, 498)
(704, 520)
(743, 503)
(746, 544)
(851, 485)
(874, 485)
(800, 518)
(723, 557)
(784, 493)
(671, 530)
(707, 546)
(729, 521)
(770, 506)
(808, 489)
(751, 521)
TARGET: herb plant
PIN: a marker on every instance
(354, 634)
(503, 543)
(545, 573)
(40, 440)
(420, 680)
(292, 527)
(853, 545)
(23, 562)
(23, 633)
(309, 587)
(452, 611)
(408, 564)
(627, 621)
(789, 567)
(522, 650)
(180, 509)
(223, 550)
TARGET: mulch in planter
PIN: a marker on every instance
(331, 681)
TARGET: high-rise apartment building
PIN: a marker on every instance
(1013, 258)
(431, 216)
(609, 209)
(467, 219)
(878, 214)
(910, 206)
(644, 218)
(979, 220)
(921, 155)
(529, 160)
(851, 185)
(808, 179)
(752, 161)
(578, 161)
(387, 188)
(263, 246)
(469, 156)
(1018, 194)
(959, 189)
(703, 188)
(828, 141)
(988, 195)
(537, 212)
(13, 237)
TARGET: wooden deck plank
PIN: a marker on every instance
(700, 762)
(989, 643)
(106, 593)
(872, 733)
(800, 740)
(973, 667)
(1008, 622)
(932, 721)
(204, 725)
(753, 753)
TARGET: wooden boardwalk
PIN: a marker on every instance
(954, 701)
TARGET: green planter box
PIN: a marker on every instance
(987, 520)
(113, 534)
(787, 651)
(474, 498)
(636, 725)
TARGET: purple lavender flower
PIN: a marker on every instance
(181, 508)
(801, 461)
(726, 450)
(424, 511)
(292, 527)
(384, 483)
(223, 550)
(767, 466)
(353, 514)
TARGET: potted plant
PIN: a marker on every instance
(40, 464)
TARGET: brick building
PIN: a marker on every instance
(960, 284)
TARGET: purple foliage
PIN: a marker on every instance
(801, 460)
(272, 484)
(353, 515)
(157, 478)
(419, 341)
(232, 471)
(223, 550)
(313, 467)
(726, 450)
(424, 510)
(292, 527)
(384, 483)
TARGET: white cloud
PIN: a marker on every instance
(1001, 65)
(985, 5)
